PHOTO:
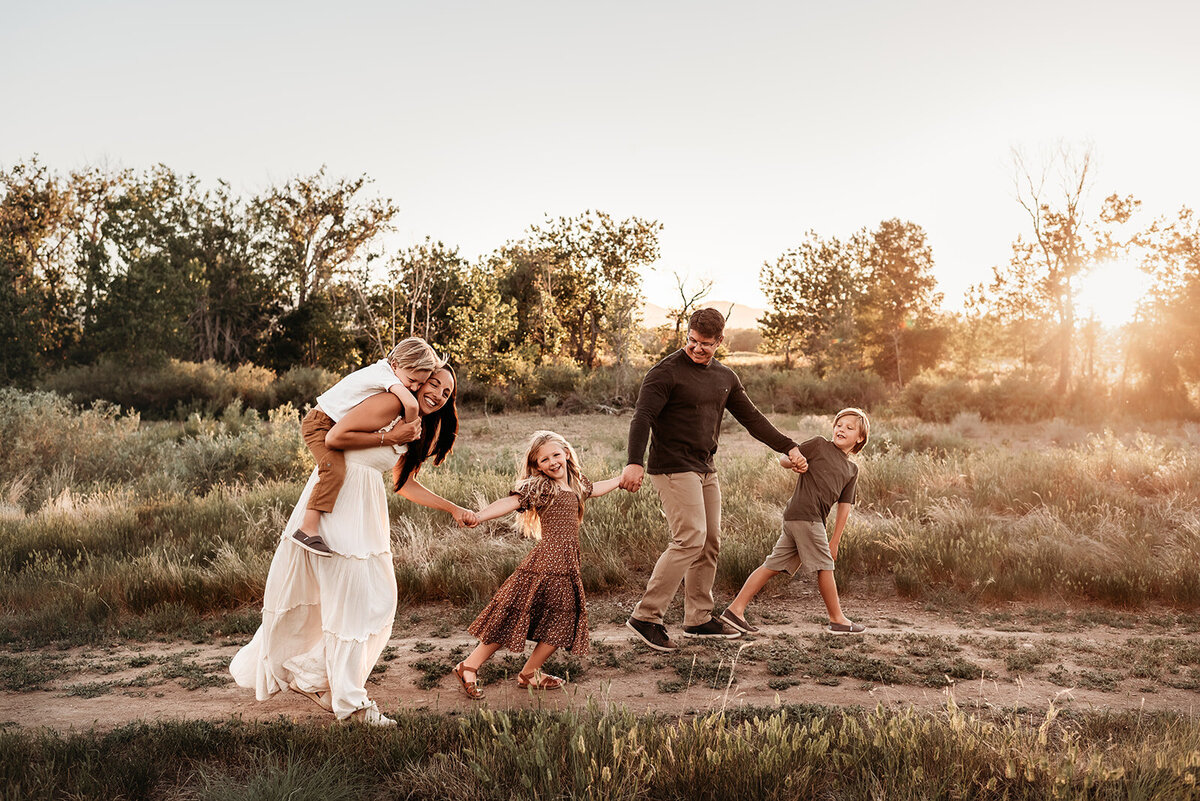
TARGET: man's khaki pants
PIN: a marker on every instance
(692, 503)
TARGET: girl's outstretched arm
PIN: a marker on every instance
(604, 487)
(498, 508)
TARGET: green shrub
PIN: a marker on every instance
(169, 389)
(803, 392)
(1017, 399)
(300, 386)
(555, 378)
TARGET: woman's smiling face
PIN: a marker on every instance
(436, 391)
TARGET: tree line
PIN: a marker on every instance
(134, 266)
(141, 265)
(870, 301)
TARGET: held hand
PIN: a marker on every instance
(833, 548)
(631, 477)
(403, 432)
(464, 517)
(799, 463)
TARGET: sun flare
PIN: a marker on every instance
(1111, 291)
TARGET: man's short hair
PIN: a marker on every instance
(707, 322)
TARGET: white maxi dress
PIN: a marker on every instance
(326, 620)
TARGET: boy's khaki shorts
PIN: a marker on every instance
(802, 543)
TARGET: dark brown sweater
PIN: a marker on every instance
(681, 404)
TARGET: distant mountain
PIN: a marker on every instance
(740, 316)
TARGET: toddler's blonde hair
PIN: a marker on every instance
(414, 353)
(528, 476)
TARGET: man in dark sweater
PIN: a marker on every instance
(679, 410)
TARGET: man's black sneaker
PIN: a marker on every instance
(738, 622)
(715, 627)
(653, 634)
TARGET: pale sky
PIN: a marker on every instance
(738, 126)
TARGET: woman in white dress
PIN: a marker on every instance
(326, 620)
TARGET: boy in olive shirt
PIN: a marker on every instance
(829, 477)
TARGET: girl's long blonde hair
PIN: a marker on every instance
(529, 477)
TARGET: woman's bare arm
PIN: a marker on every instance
(417, 492)
(359, 428)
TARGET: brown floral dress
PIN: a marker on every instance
(543, 600)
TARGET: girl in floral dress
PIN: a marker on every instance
(543, 600)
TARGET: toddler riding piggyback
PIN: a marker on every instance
(402, 373)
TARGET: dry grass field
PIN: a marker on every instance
(1032, 594)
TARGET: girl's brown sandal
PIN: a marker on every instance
(539, 681)
(471, 688)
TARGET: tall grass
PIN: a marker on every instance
(803, 752)
(112, 525)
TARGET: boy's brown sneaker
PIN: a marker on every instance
(738, 622)
(312, 544)
(844, 628)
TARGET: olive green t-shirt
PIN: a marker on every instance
(831, 478)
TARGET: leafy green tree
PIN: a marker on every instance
(155, 281)
(896, 316)
(482, 331)
(1164, 343)
(424, 283)
(527, 280)
(235, 304)
(1021, 309)
(312, 229)
(313, 233)
(574, 281)
(37, 326)
(320, 332)
(812, 293)
(597, 260)
(93, 192)
(973, 333)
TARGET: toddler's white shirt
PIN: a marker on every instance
(338, 400)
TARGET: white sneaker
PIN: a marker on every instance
(370, 716)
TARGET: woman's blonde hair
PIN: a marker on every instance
(414, 353)
(864, 425)
(529, 477)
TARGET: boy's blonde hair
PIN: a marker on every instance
(414, 353)
(864, 425)
(529, 476)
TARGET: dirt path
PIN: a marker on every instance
(1011, 657)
